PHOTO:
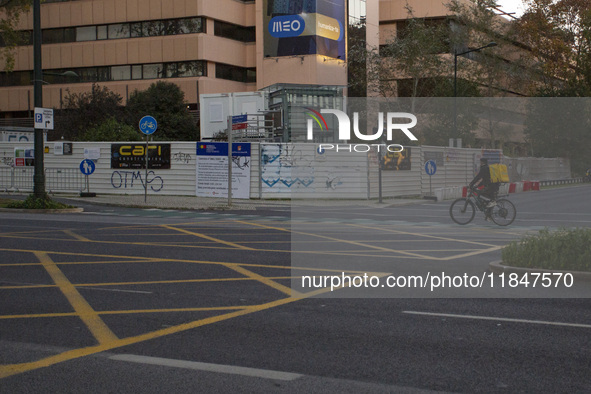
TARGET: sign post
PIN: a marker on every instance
(43, 118)
(430, 169)
(236, 122)
(148, 126)
(87, 167)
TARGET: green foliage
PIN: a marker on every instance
(165, 101)
(559, 127)
(12, 11)
(87, 110)
(565, 249)
(112, 130)
(357, 60)
(32, 202)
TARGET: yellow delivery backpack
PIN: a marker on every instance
(498, 173)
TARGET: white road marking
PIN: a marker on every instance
(503, 319)
(199, 366)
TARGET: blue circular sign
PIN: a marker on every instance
(430, 167)
(87, 166)
(148, 125)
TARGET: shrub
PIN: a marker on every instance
(564, 249)
(33, 202)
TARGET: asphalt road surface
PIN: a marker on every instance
(134, 300)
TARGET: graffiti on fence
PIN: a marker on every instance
(127, 180)
(8, 161)
(182, 157)
(285, 165)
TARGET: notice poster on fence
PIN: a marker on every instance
(212, 169)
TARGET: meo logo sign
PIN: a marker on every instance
(345, 129)
(286, 26)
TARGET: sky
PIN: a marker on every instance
(511, 6)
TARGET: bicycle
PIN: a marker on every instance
(462, 210)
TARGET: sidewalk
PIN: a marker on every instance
(212, 203)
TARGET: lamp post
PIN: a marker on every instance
(39, 175)
(456, 54)
(39, 172)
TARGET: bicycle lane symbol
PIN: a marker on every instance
(148, 125)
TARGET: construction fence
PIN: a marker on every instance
(267, 171)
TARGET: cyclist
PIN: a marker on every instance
(490, 188)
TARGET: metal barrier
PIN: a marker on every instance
(561, 181)
(21, 179)
(64, 179)
(5, 179)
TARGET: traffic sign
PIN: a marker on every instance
(43, 118)
(239, 122)
(430, 167)
(87, 167)
(148, 125)
(239, 119)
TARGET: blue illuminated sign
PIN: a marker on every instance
(286, 26)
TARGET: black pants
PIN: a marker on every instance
(490, 191)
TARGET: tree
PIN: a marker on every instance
(413, 56)
(165, 101)
(558, 35)
(87, 110)
(357, 59)
(10, 14)
(112, 130)
(559, 127)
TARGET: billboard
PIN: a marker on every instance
(305, 27)
(133, 156)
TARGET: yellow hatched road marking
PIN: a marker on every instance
(76, 236)
(217, 240)
(97, 327)
(264, 280)
(127, 312)
(13, 369)
(338, 240)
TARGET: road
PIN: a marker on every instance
(122, 300)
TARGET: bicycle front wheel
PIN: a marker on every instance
(503, 213)
(462, 211)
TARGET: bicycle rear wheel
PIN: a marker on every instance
(503, 213)
(462, 211)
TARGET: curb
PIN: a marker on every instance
(497, 267)
(65, 210)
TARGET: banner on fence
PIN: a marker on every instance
(212, 169)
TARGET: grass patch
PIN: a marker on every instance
(564, 249)
(33, 202)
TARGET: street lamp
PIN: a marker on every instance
(39, 174)
(456, 54)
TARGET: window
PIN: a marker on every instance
(120, 73)
(87, 33)
(233, 73)
(119, 30)
(101, 32)
(123, 73)
(152, 71)
(136, 71)
(234, 32)
(52, 36)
